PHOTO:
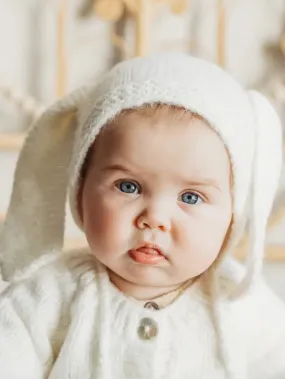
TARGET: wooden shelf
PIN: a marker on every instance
(273, 253)
(11, 141)
(72, 243)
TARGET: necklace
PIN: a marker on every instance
(166, 299)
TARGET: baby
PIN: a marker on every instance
(166, 160)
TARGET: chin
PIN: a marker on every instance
(148, 277)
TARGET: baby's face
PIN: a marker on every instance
(156, 202)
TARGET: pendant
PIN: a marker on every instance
(151, 305)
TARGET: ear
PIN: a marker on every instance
(266, 173)
(34, 224)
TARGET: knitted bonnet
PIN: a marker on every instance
(51, 159)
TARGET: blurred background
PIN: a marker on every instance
(49, 47)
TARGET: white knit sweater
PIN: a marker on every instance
(63, 319)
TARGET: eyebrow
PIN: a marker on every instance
(203, 182)
(116, 167)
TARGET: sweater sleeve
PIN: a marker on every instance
(33, 319)
(267, 348)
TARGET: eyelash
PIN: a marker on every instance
(119, 183)
(192, 194)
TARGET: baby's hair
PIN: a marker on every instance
(158, 109)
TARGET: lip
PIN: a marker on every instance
(147, 254)
(152, 246)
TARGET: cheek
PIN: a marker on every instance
(202, 236)
(105, 224)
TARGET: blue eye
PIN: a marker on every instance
(128, 187)
(191, 198)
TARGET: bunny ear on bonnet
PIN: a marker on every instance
(35, 219)
(267, 165)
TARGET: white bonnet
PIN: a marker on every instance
(51, 159)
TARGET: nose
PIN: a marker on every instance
(154, 218)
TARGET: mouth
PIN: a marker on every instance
(147, 254)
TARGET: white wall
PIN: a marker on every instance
(28, 40)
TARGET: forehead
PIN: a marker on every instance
(141, 138)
